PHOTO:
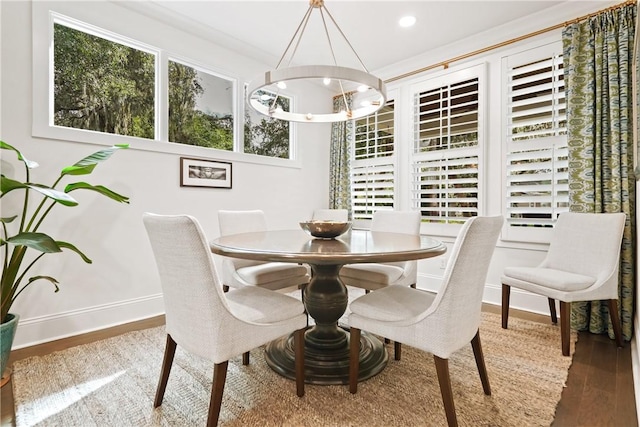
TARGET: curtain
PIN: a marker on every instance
(598, 82)
(339, 161)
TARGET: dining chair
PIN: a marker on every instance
(196, 307)
(331, 214)
(439, 324)
(372, 276)
(238, 273)
(581, 264)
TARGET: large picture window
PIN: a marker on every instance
(200, 107)
(102, 85)
(266, 136)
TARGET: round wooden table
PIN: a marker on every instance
(325, 297)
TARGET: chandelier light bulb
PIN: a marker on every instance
(281, 85)
(326, 81)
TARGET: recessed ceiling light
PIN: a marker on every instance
(407, 21)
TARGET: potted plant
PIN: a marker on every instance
(21, 232)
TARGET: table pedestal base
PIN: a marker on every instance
(324, 364)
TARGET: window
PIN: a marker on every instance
(447, 143)
(102, 85)
(264, 135)
(536, 142)
(373, 163)
(200, 108)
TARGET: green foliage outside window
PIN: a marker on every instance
(101, 85)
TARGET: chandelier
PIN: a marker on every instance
(371, 87)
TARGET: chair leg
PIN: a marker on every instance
(219, 378)
(366, 291)
(413, 285)
(397, 350)
(442, 368)
(245, 358)
(169, 352)
(354, 359)
(298, 345)
(552, 310)
(225, 288)
(482, 368)
(615, 321)
(565, 326)
(506, 293)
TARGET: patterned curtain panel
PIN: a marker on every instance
(339, 180)
(598, 80)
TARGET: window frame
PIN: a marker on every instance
(441, 79)
(44, 16)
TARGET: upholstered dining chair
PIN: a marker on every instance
(196, 307)
(581, 264)
(372, 276)
(439, 324)
(331, 214)
(238, 273)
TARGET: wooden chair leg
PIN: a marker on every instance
(245, 358)
(552, 310)
(219, 378)
(397, 350)
(225, 288)
(442, 368)
(506, 293)
(413, 285)
(354, 359)
(482, 368)
(565, 326)
(298, 345)
(169, 352)
(366, 291)
(615, 321)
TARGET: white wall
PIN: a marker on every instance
(122, 285)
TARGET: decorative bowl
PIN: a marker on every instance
(325, 229)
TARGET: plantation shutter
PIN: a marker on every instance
(536, 183)
(446, 148)
(373, 164)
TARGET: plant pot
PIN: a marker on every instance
(7, 333)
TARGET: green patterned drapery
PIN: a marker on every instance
(339, 161)
(598, 82)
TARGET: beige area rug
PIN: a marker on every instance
(112, 383)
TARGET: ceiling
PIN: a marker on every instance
(262, 29)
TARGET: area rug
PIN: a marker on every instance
(112, 383)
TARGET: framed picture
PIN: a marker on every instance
(204, 173)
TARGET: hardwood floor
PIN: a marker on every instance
(599, 390)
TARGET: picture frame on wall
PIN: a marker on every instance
(204, 173)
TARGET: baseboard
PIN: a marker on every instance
(520, 300)
(43, 329)
(635, 366)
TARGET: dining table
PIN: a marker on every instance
(325, 298)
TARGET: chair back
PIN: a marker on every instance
(404, 222)
(195, 307)
(587, 244)
(458, 304)
(235, 222)
(331, 214)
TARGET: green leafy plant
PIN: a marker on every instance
(14, 247)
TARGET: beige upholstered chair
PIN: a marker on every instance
(439, 324)
(196, 307)
(238, 273)
(331, 214)
(581, 265)
(372, 276)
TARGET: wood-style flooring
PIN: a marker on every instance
(599, 390)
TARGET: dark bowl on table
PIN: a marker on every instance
(325, 229)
